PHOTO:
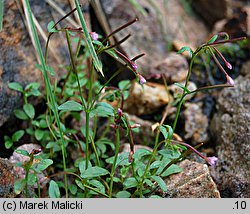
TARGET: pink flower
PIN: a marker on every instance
(211, 160)
(142, 80)
(229, 80)
(94, 35)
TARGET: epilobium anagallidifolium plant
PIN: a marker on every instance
(101, 169)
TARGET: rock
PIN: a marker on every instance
(194, 181)
(196, 123)
(231, 130)
(7, 179)
(154, 31)
(146, 99)
(212, 11)
(17, 56)
(245, 68)
(237, 25)
(174, 67)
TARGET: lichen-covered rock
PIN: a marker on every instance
(194, 181)
(7, 179)
(231, 130)
(196, 123)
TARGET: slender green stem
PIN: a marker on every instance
(73, 64)
(48, 88)
(26, 182)
(83, 183)
(117, 147)
(184, 92)
(38, 187)
(87, 138)
(95, 151)
(149, 162)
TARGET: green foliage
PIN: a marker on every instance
(1, 15)
(93, 172)
(186, 48)
(54, 191)
(77, 105)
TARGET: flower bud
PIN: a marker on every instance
(142, 80)
(229, 80)
(229, 66)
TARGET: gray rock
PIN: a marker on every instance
(154, 32)
(194, 181)
(231, 130)
(7, 179)
(17, 55)
(196, 123)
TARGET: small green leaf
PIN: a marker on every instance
(80, 184)
(129, 183)
(20, 114)
(82, 166)
(39, 134)
(17, 135)
(123, 194)
(19, 186)
(29, 110)
(43, 164)
(170, 153)
(54, 191)
(100, 187)
(32, 85)
(212, 39)
(43, 124)
(22, 152)
(103, 109)
(15, 86)
(124, 85)
(34, 92)
(95, 171)
(161, 182)
(173, 169)
(122, 159)
(73, 189)
(139, 153)
(51, 27)
(32, 179)
(8, 144)
(182, 87)
(163, 130)
(186, 48)
(70, 106)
